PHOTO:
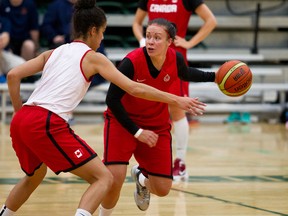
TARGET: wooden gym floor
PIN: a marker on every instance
(235, 170)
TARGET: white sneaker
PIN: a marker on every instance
(141, 194)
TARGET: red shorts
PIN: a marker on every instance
(120, 145)
(40, 136)
(179, 88)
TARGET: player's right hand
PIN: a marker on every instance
(192, 105)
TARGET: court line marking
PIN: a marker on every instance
(192, 179)
(228, 201)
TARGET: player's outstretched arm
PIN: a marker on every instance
(100, 64)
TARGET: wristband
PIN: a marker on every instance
(138, 133)
(142, 42)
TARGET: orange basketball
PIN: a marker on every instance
(234, 78)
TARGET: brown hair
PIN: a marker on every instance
(168, 26)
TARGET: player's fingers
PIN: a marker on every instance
(196, 111)
(200, 106)
(196, 101)
(152, 139)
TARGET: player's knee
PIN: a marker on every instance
(162, 191)
(108, 179)
(105, 181)
(29, 45)
(162, 188)
(117, 183)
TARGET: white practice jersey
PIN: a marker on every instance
(62, 85)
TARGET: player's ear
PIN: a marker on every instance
(93, 31)
(170, 41)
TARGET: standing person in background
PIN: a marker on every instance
(141, 128)
(39, 131)
(178, 12)
(24, 19)
(8, 60)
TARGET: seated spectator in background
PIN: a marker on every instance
(56, 26)
(23, 16)
(8, 60)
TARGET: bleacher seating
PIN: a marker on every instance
(113, 7)
(235, 29)
(234, 38)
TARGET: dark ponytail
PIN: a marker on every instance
(87, 15)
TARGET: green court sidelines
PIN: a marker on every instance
(201, 179)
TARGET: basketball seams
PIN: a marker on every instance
(228, 74)
(236, 94)
(234, 78)
(244, 78)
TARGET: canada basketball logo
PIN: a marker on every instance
(166, 78)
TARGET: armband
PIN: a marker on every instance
(137, 134)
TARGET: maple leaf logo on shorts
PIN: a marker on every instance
(78, 153)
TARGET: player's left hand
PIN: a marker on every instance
(148, 137)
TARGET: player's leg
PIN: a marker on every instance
(110, 200)
(181, 131)
(141, 193)
(160, 186)
(181, 134)
(22, 191)
(100, 180)
(119, 146)
(20, 128)
(154, 173)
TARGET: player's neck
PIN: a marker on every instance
(158, 61)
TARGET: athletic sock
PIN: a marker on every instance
(82, 212)
(181, 132)
(5, 211)
(105, 212)
(141, 180)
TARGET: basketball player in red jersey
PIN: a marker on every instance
(178, 12)
(129, 121)
(41, 136)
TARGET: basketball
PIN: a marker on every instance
(234, 78)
